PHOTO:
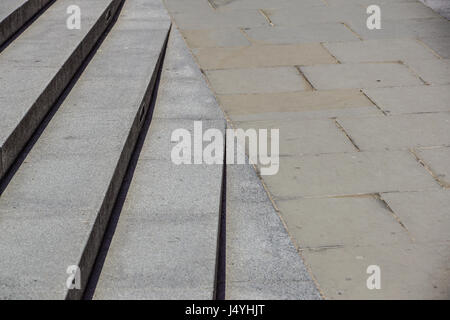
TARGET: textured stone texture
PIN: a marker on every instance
(421, 99)
(297, 105)
(263, 56)
(349, 174)
(360, 75)
(32, 57)
(15, 13)
(261, 261)
(399, 132)
(379, 50)
(165, 242)
(55, 208)
(257, 80)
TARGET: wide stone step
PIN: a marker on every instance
(165, 241)
(54, 211)
(37, 66)
(14, 14)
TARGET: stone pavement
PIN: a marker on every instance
(364, 129)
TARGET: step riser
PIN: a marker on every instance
(19, 17)
(36, 113)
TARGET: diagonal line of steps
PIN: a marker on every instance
(164, 243)
(38, 65)
(55, 209)
(14, 14)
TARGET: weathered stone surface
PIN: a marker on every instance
(349, 174)
(220, 19)
(337, 222)
(223, 37)
(379, 50)
(420, 99)
(257, 80)
(440, 45)
(263, 56)
(412, 271)
(297, 105)
(304, 137)
(424, 214)
(399, 132)
(395, 29)
(308, 33)
(360, 75)
(438, 160)
(432, 71)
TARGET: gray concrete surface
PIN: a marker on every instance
(54, 210)
(165, 242)
(38, 65)
(261, 260)
(16, 13)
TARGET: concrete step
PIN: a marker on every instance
(54, 211)
(164, 243)
(38, 65)
(14, 14)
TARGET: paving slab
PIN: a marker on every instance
(319, 32)
(421, 99)
(366, 3)
(297, 105)
(191, 6)
(424, 214)
(261, 261)
(223, 37)
(299, 137)
(406, 10)
(414, 271)
(437, 159)
(379, 50)
(55, 208)
(263, 4)
(14, 14)
(31, 56)
(338, 222)
(399, 132)
(224, 19)
(360, 75)
(348, 174)
(256, 80)
(262, 56)
(440, 45)
(432, 71)
(296, 15)
(164, 245)
(409, 28)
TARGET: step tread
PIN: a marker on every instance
(36, 67)
(165, 242)
(55, 208)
